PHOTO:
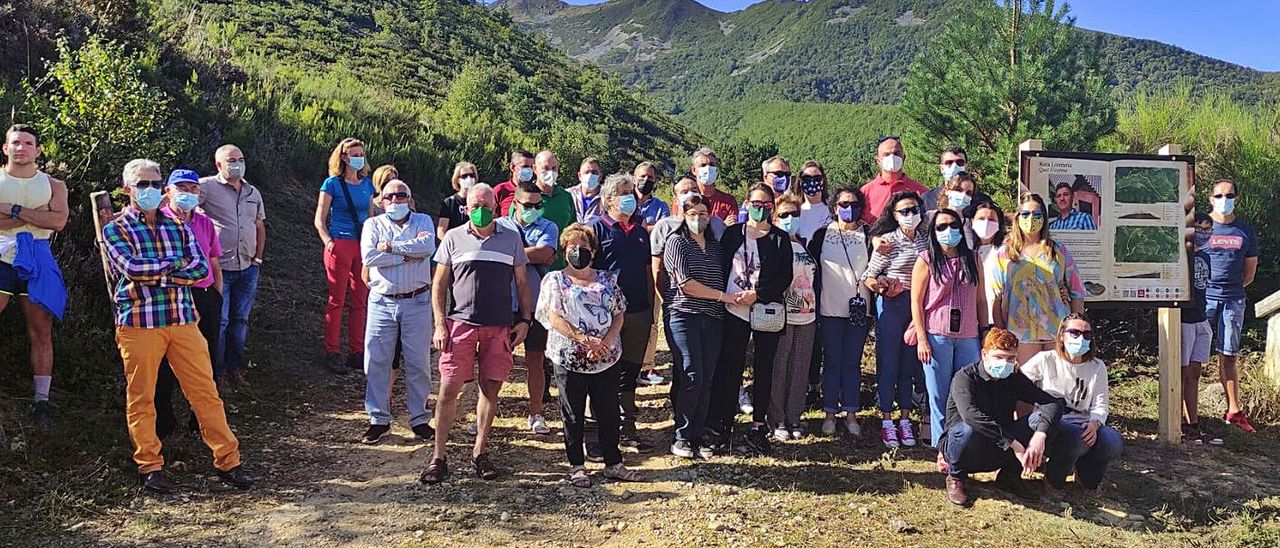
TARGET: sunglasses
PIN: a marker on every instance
(1086, 333)
(846, 204)
(780, 173)
(1229, 196)
(396, 196)
(144, 183)
(960, 163)
(465, 175)
(884, 138)
(758, 203)
(530, 205)
(788, 214)
(810, 178)
(942, 227)
(1029, 214)
(909, 211)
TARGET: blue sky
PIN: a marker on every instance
(1240, 31)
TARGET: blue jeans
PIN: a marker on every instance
(238, 290)
(967, 452)
(1226, 317)
(896, 361)
(698, 338)
(842, 346)
(406, 321)
(1065, 451)
(949, 355)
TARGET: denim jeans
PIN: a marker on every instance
(967, 452)
(386, 319)
(949, 355)
(1066, 451)
(238, 290)
(842, 346)
(698, 338)
(727, 381)
(1226, 317)
(896, 361)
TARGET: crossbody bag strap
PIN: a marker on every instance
(351, 206)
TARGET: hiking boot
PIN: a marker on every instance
(333, 362)
(957, 490)
(374, 434)
(40, 417)
(424, 432)
(1240, 421)
(156, 482)
(236, 477)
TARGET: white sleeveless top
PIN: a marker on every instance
(30, 193)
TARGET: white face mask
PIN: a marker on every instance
(908, 221)
(985, 228)
(590, 181)
(1224, 206)
(466, 183)
(549, 177)
(891, 163)
(707, 175)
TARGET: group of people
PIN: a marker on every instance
(978, 316)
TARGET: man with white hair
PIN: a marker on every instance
(477, 264)
(157, 259)
(396, 246)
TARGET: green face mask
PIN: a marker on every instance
(481, 217)
(530, 216)
(757, 214)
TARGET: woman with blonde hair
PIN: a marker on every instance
(453, 211)
(346, 200)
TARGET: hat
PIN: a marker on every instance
(183, 176)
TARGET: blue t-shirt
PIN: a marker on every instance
(541, 232)
(340, 227)
(1228, 247)
(654, 210)
(627, 253)
(1195, 312)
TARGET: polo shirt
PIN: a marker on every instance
(206, 236)
(654, 210)
(722, 205)
(483, 270)
(876, 194)
(624, 248)
(342, 220)
(1229, 245)
(536, 234)
(235, 213)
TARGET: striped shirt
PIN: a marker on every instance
(684, 260)
(157, 266)
(897, 264)
(404, 268)
(1077, 220)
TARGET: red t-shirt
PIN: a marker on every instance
(504, 193)
(722, 205)
(878, 191)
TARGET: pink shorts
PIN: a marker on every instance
(492, 344)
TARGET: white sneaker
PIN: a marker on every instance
(781, 434)
(473, 428)
(797, 432)
(539, 425)
(744, 402)
(851, 424)
(655, 379)
(829, 426)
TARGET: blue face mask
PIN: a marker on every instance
(781, 183)
(1201, 239)
(998, 369)
(958, 200)
(627, 204)
(1075, 346)
(950, 238)
(185, 201)
(147, 198)
(1224, 206)
(848, 214)
(397, 212)
(529, 215)
(790, 224)
(356, 162)
(951, 171)
(526, 174)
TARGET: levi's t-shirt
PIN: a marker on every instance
(1229, 245)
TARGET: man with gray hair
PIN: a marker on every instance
(236, 208)
(396, 246)
(705, 168)
(624, 248)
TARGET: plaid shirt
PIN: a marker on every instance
(156, 266)
(1077, 220)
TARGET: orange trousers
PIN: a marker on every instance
(188, 355)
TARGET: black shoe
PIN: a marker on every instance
(1010, 481)
(156, 482)
(236, 477)
(634, 442)
(40, 417)
(374, 433)
(333, 362)
(424, 432)
(683, 449)
(595, 453)
(356, 361)
(813, 400)
(758, 440)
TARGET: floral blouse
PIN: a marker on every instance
(590, 309)
(1036, 291)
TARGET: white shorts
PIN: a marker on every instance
(1196, 339)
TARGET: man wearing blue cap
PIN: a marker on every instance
(183, 194)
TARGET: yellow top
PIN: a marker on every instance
(30, 193)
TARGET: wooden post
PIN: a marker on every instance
(103, 212)
(1170, 414)
(1268, 308)
(1028, 145)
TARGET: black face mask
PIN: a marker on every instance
(647, 187)
(578, 257)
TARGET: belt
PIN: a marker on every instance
(410, 294)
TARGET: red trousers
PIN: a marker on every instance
(342, 266)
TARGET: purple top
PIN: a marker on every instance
(942, 296)
(206, 237)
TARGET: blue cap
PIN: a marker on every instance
(183, 176)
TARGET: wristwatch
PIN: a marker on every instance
(14, 211)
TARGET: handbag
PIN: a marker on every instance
(768, 317)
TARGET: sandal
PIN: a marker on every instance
(619, 472)
(578, 477)
(484, 467)
(435, 473)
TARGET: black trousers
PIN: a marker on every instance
(729, 370)
(209, 306)
(602, 388)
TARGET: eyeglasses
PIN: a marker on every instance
(1039, 214)
(780, 173)
(959, 162)
(1229, 196)
(909, 211)
(145, 183)
(763, 204)
(530, 205)
(942, 227)
(396, 196)
(1076, 333)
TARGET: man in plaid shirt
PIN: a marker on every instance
(1068, 217)
(156, 259)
